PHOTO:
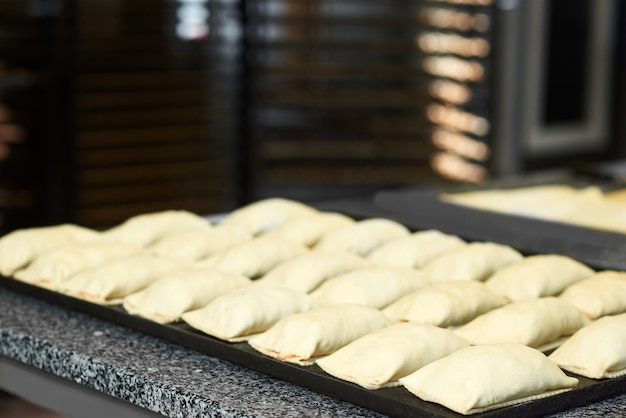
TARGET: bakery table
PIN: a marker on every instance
(78, 365)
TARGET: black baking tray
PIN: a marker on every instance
(394, 402)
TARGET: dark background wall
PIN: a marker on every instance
(120, 107)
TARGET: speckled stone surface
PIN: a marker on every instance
(164, 377)
(151, 373)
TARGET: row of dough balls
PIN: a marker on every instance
(170, 265)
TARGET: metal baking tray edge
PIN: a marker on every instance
(394, 402)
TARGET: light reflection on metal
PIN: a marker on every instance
(456, 20)
(454, 68)
(508, 4)
(456, 168)
(457, 119)
(450, 92)
(440, 43)
(460, 144)
(467, 2)
(193, 18)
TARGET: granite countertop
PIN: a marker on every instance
(164, 377)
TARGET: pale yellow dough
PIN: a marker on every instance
(110, 282)
(307, 229)
(500, 375)
(445, 304)
(167, 298)
(52, 268)
(475, 261)
(597, 351)
(537, 276)
(199, 243)
(264, 215)
(539, 323)
(376, 286)
(602, 294)
(240, 313)
(302, 338)
(256, 257)
(380, 358)
(20, 247)
(415, 250)
(306, 272)
(143, 230)
(361, 237)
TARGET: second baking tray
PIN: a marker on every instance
(420, 208)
